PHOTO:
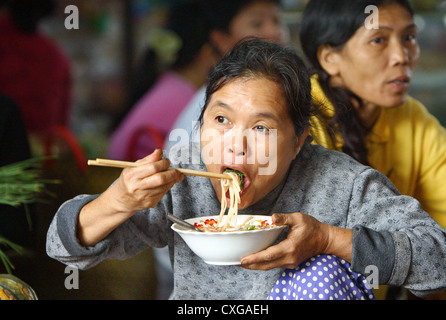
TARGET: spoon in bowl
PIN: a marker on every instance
(182, 223)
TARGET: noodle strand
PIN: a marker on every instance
(233, 185)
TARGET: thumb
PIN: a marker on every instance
(279, 219)
(289, 219)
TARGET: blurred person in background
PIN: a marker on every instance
(34, 70)
(231, 21)
(362, 78)
(174, 67)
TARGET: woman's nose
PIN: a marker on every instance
(236, 146)
(237, 151)
(399, 54)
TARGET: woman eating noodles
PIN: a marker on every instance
(338, 212)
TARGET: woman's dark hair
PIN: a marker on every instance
(186, 20)
(333, 23)
(253, 57)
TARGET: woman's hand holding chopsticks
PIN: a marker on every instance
(137, 188)
(143, 186)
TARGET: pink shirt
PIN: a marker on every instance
(157, 109)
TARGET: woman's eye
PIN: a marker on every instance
(378, 40)
(411, 37)
(256, 24)
(221, 119)
(261, 129)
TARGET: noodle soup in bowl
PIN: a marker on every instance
(249, 234)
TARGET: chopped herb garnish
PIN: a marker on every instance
(241, 176)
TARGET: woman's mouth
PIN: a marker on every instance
(244, 178)
(400, 84)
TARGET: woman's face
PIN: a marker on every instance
(377, 64)
(260, 19)
(246, 127)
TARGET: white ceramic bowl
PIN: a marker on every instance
(227, 248)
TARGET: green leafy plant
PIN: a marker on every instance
(4, 257)
(241, 176)
(21, 184)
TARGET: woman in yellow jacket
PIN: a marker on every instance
(363, 54)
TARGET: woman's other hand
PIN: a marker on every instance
(307, 237)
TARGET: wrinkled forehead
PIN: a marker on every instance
(258, 95)
(388, 17)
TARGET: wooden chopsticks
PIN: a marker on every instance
(125, 164)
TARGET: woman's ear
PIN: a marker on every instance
(300, 141)
(328, 59)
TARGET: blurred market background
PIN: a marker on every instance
(114, 33)
(103, 51)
